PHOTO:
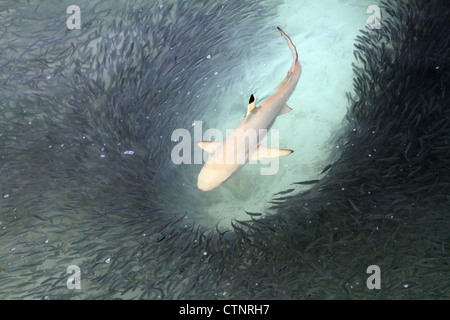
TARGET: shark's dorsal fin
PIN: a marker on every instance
(265, 152)
(209, 146)
(251, 105)
(285, 110)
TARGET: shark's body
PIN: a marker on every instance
(229, 156)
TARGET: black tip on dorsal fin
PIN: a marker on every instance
(252, 99)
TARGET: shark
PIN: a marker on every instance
(244, 143)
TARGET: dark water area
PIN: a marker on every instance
(86, 118)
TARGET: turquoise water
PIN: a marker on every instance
(324, 34)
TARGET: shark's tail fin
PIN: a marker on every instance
(291, 45)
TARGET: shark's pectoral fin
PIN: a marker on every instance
(265, 152)
(209, 146)
(285, 110)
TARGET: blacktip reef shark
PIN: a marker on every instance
(223, 162)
